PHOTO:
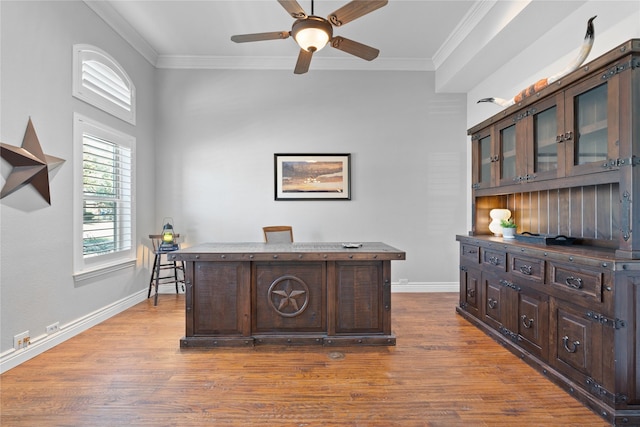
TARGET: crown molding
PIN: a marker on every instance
(109, 15)
(468, 23)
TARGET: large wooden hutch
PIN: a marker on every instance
(565, 161)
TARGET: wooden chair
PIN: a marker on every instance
(176, 268)
(278, 234)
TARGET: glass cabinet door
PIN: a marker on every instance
(483, 160)
(508, 145)
(590, 126)
(547, 149)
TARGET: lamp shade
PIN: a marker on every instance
(496, 216)
(312, 33)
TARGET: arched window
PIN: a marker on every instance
(100, 81)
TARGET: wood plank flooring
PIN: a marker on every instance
(130, 370)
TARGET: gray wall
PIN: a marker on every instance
(218, 132)
(36, 272)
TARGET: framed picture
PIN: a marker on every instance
(312, 176)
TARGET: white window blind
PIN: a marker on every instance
(100, 81)
(106, 180)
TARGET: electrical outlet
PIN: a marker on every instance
(403, 282)
(21, 340)
(53, 328)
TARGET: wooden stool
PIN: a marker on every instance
(158, 265)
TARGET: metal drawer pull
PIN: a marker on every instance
(471, 293)
(494, 260)
(526, 269)
(573, 282)
(472, 251)
(526, 323)
(575, 344)
(492, 303)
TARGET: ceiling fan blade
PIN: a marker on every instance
(295, 10)
(354, 10)
(304, 59)
(243, 38)
(354, 48)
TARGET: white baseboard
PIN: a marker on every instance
(13, 358)
(419, 287)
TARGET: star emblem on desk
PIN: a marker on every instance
(289, 297)
(30, 165)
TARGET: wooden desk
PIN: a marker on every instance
(245, 294)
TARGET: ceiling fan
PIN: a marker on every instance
(312, 32)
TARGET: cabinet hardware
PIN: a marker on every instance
(616, 163)
(526, 269)
(471, 293)
(494, 260)
(625, 215)
(527, 323)
(567, 136)
(573, 282)
(574, 345)
(605, 321)
(492, 303)
(511, 285)
(603, 393)
(463, 268)
(617, 69)
(524, 114)
(512, 335)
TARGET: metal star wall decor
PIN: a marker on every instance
(30, 165)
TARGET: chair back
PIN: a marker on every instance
(278, 234)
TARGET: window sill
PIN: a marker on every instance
(103, 270)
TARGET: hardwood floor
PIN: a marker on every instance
(130, 370)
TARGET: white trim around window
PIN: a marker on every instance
(104, 198)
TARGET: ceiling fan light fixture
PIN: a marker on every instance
(312, 34)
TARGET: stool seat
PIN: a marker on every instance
(175, 268)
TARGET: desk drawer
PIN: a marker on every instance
(496, 260)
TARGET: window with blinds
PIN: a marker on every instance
(101, 82)
(104, 220)
(106, 190)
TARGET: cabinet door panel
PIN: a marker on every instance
(591, 125)
(493, 294)
(533, 323)
(578, 344)
(470, 290)
(547, 152)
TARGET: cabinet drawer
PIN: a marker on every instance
(527, 268)
(495, 259)
(470, 253)
(579, 284)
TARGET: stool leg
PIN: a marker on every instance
(155, 301)
(153, 273)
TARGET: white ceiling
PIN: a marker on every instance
(433, 35)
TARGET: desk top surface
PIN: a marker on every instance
(256, 251)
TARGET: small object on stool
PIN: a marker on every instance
(163, 244)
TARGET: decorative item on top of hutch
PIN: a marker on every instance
(565, 162)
